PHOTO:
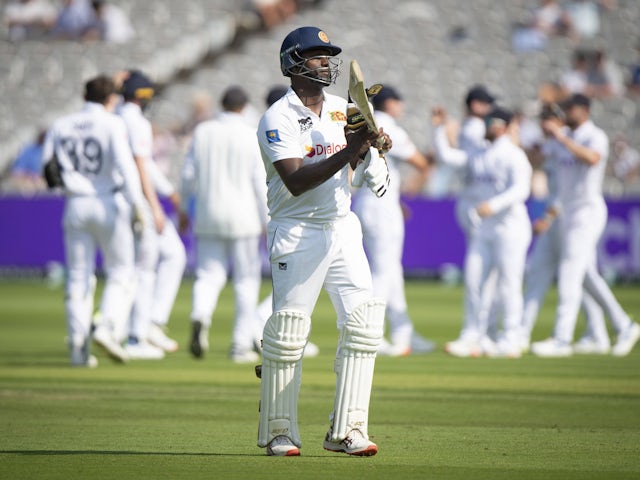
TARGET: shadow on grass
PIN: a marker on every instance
(133, 453)
(124, 452)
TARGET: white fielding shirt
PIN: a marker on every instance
(224, 171)
(403, 149)
(93, 152)
(288, 129)
(500, 173)
(580, 185)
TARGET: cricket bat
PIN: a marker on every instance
(358, 94)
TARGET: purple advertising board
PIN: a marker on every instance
(32, 235)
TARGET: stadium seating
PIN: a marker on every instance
(431, 50)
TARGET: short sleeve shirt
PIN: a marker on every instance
(291, 130)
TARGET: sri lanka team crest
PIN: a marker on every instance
(273, 136)
(337, 116)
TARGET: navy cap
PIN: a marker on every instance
(577, 99)
(275, 94)
(137, 86)
(385, 93)
(234, 98)
(499, 113)
(479, 93)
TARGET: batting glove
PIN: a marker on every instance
(376, 173)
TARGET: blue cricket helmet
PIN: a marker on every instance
(301, 40)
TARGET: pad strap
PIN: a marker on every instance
(284, 338)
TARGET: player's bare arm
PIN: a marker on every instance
(299, 178)
(150, 194)
(582, 153)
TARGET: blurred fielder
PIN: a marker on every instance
(580, 151)
(101, 183)
(223, 171)
(497, 183)
(383, 230)
(160, 254)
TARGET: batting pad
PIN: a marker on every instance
(284, 338)
(359, 341)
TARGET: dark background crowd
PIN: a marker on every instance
(528, 52)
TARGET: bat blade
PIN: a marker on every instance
(358, 94)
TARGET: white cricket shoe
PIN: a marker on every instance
(355, 443)
(463, 347)
(199, 343)
(590, 346)
(525, 344)
(389, 349)
(244, 356)
(80, 358)
(159, 339)
(311, 350)
(282, 446)
(626, 341)
(419, 344)
(501, 349)
(141, 350)
(551, 348)
(103, 337)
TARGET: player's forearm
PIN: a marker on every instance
(516, 193)
(147, 186)
(309, 176)
(582, 153)
(444, 152)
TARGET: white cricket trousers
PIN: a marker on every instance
(541, 270)
(384, 241)
(216, 257)
(91, 223)
(483, 322)
(501, 246)
(580, 231)
(160, 263)
(306, 256)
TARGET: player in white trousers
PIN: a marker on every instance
(101, 183)
(172, 261)
(224, 171)
(158, 247)
(580, 151)
(543, 264)
(315, 242)
(478, 103)
(497, 183)
(383, 230)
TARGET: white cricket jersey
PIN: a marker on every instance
(472, 134)
(580, 184)
(550, 169)
(140, 134)
(403, 149)
(223, 169)
(92, 149)
(291, 130)
(138, 128)
(499, 173)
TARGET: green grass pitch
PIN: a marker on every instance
(432, 416)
